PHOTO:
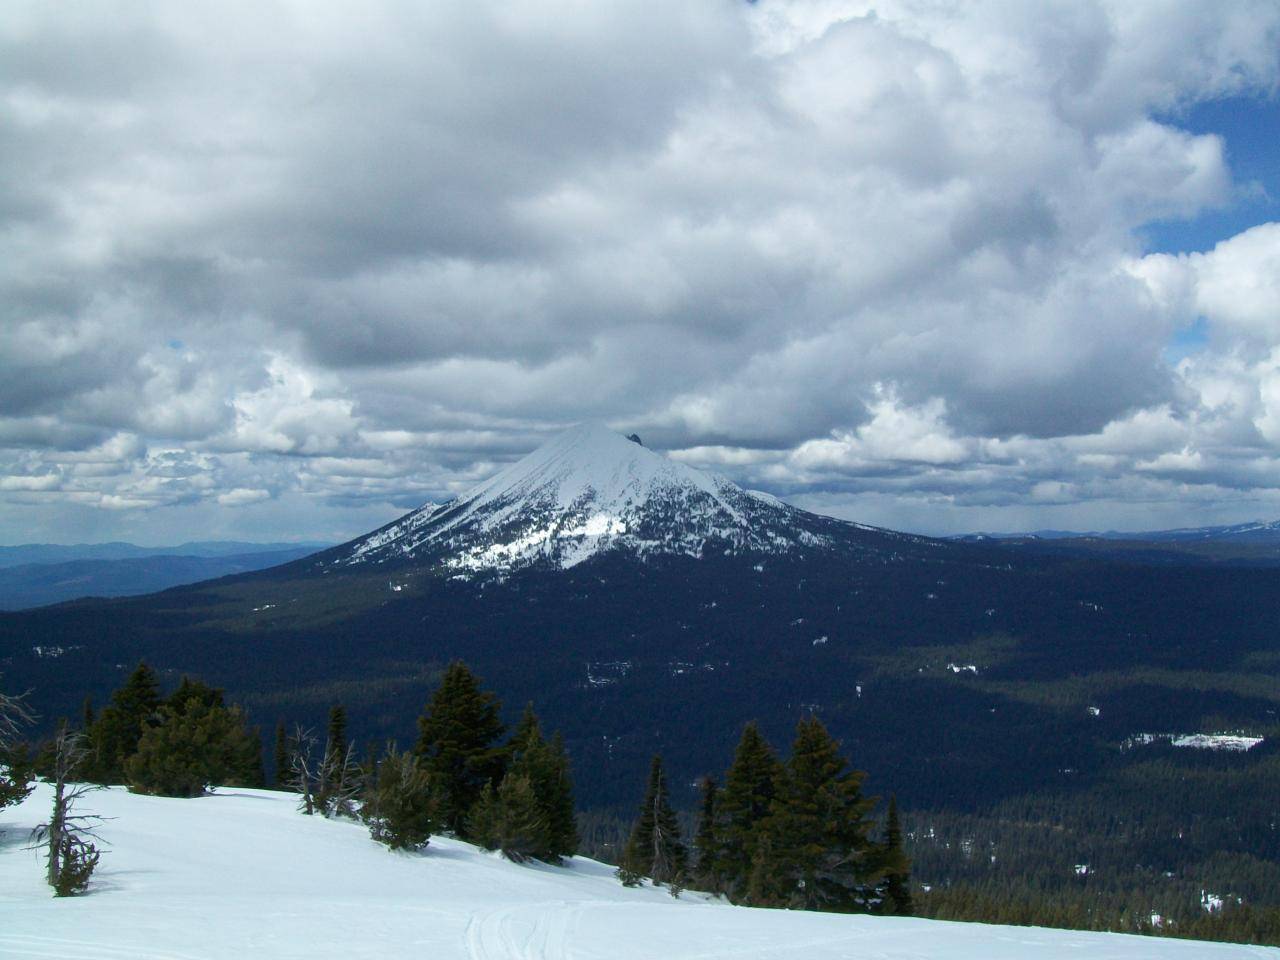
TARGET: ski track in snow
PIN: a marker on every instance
(537, 932)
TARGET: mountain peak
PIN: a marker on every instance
(585, 491)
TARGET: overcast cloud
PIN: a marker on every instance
(270, 271)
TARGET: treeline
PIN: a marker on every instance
(460, 778)
(175, 746)
(463, 776)
(1113, 910)
(794, 834)
(1175, 843)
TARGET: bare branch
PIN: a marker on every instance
(14, 715)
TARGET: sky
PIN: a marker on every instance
(277, 271)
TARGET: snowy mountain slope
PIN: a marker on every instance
(586, 491)
(241, 874)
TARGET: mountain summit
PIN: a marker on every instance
(586, 491)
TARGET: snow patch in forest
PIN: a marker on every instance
(1232, 742)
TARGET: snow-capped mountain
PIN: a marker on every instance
(586, 491)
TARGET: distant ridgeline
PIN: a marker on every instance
(36, 574)
(1000, 692)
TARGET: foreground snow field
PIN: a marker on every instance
(241, 874)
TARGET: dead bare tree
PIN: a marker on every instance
(15, 777)
(339, 783)
(304, 770)
(14, 715)
(327, 783)
(68, 836)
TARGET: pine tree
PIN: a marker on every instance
(820, 857)
(115, 734)
(196, 743)
(655, 849)
(527, 732)
(705, 842)
(194, 692)
(281, 757)
(400, 807)
(557, 799)
(546, 765)
(457, 736)
(336, 741)
(742, 806)
(895, 888)
(511, 819)
(483, 824)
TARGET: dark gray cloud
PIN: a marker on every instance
(270, 256)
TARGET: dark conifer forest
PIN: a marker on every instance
(1028, 703)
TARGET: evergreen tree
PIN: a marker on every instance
(742, 806)
(895, 888)
(400, 807)
(280, 757)
(705, 842)
(336, 742)
(527, 733)
(457, 734)
(819, 855)
(557, 799)
(547, 768)
(115, 734)
(655, 849)
(194, 692)
(511, 819)
(196, 744)
(761, 890)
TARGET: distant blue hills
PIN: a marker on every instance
(37, 574)
(61, 553)
(1242, 544)
(1255, 531)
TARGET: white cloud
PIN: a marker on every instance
(361, 259)
(241, 496)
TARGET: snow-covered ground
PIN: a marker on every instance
(241, 875)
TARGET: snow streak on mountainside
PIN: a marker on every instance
(586, 491)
